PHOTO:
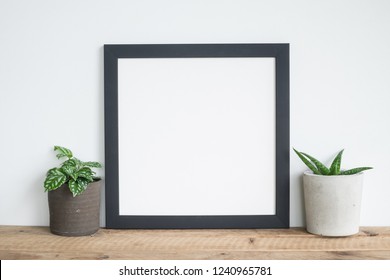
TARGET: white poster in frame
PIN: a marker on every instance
(197, 136)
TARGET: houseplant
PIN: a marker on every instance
(332, 196)
(74, 195)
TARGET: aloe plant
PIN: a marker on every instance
(76, 173)
(320, 169)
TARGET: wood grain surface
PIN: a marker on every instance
(17, 242)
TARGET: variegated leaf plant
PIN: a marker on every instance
(74, 172)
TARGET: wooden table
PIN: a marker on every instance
(17, 242)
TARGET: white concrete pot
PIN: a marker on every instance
(332, 203)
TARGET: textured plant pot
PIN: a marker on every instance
(332, 203)
(75, 216)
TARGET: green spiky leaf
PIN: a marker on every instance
(307, 162)
(320, 166)
(336, 164)
(54, 179)
(334, 168)
(63, 152)
(354, 170)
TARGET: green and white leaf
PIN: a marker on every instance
(77, 187)
(74, 162)
(63, 152)
(53, 171)
(72, 171)
(68, 170)
(54, 179)
(86, 173)
(70, 162)
(92, 164)
(79, 163)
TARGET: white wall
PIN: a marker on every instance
(51, 82)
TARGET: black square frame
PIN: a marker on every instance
(114, 52)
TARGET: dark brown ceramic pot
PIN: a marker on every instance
(75, 216)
